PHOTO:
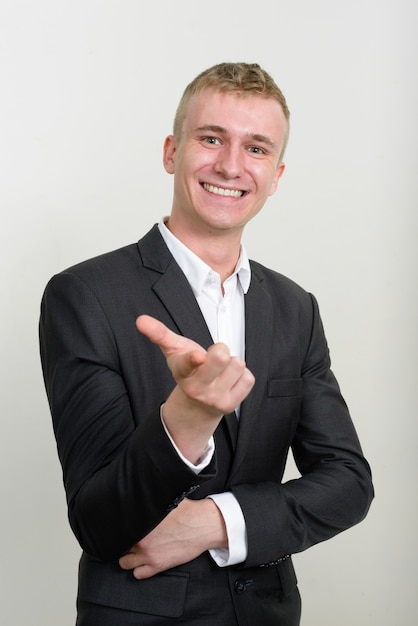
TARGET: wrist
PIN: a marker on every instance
(219, 536)
(188, 426)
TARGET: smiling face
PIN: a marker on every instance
(225, 164)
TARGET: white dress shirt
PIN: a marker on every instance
(224, 314)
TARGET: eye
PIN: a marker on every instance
(214, 141)
(256, 150)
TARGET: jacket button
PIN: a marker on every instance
(241, 585)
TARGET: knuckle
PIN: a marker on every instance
(220, 353)
(238, 363)
(248, 377)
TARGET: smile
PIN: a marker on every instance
(220, 191)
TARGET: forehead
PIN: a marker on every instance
(236, 113)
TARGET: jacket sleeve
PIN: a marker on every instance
(334, 490)
(121, 477)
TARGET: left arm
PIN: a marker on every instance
(335, 489)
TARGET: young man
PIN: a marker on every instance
(172, 445)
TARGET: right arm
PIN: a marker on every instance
(121, 479)
(121, 472)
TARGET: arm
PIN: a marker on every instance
(334, 491)
(106, 445)
(111, 463)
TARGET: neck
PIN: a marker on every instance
(220, 250)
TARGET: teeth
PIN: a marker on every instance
(235, 193)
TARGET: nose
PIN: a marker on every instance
(229, 162)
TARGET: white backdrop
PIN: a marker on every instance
(88, 92)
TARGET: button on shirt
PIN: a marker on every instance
(224, 313)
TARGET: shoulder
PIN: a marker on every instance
(294, 308)
(150, 252)
(103, 271)
(101, 279)
(115, 267)
(278, 285)
(291, 303)
(109, 263)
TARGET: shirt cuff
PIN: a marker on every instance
(235, 527)
(205, 458)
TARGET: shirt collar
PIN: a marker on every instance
(197, 270)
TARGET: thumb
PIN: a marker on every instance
(166, 339)
(188, 353)
(156, 331)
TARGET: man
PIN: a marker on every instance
(172, 446)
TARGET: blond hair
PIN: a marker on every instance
(244, 79)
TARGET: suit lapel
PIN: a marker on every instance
(177, 296)
(173, 289)
(258, 325)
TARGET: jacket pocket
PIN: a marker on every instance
(108, 585)
(284, 388)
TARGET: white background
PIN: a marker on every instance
(88, 93)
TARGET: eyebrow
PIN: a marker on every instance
(211, 127)
(220, 129)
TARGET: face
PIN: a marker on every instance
(226, 162)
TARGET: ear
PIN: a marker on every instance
(279, 172)
(168, 154)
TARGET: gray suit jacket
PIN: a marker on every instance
(105, 383)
